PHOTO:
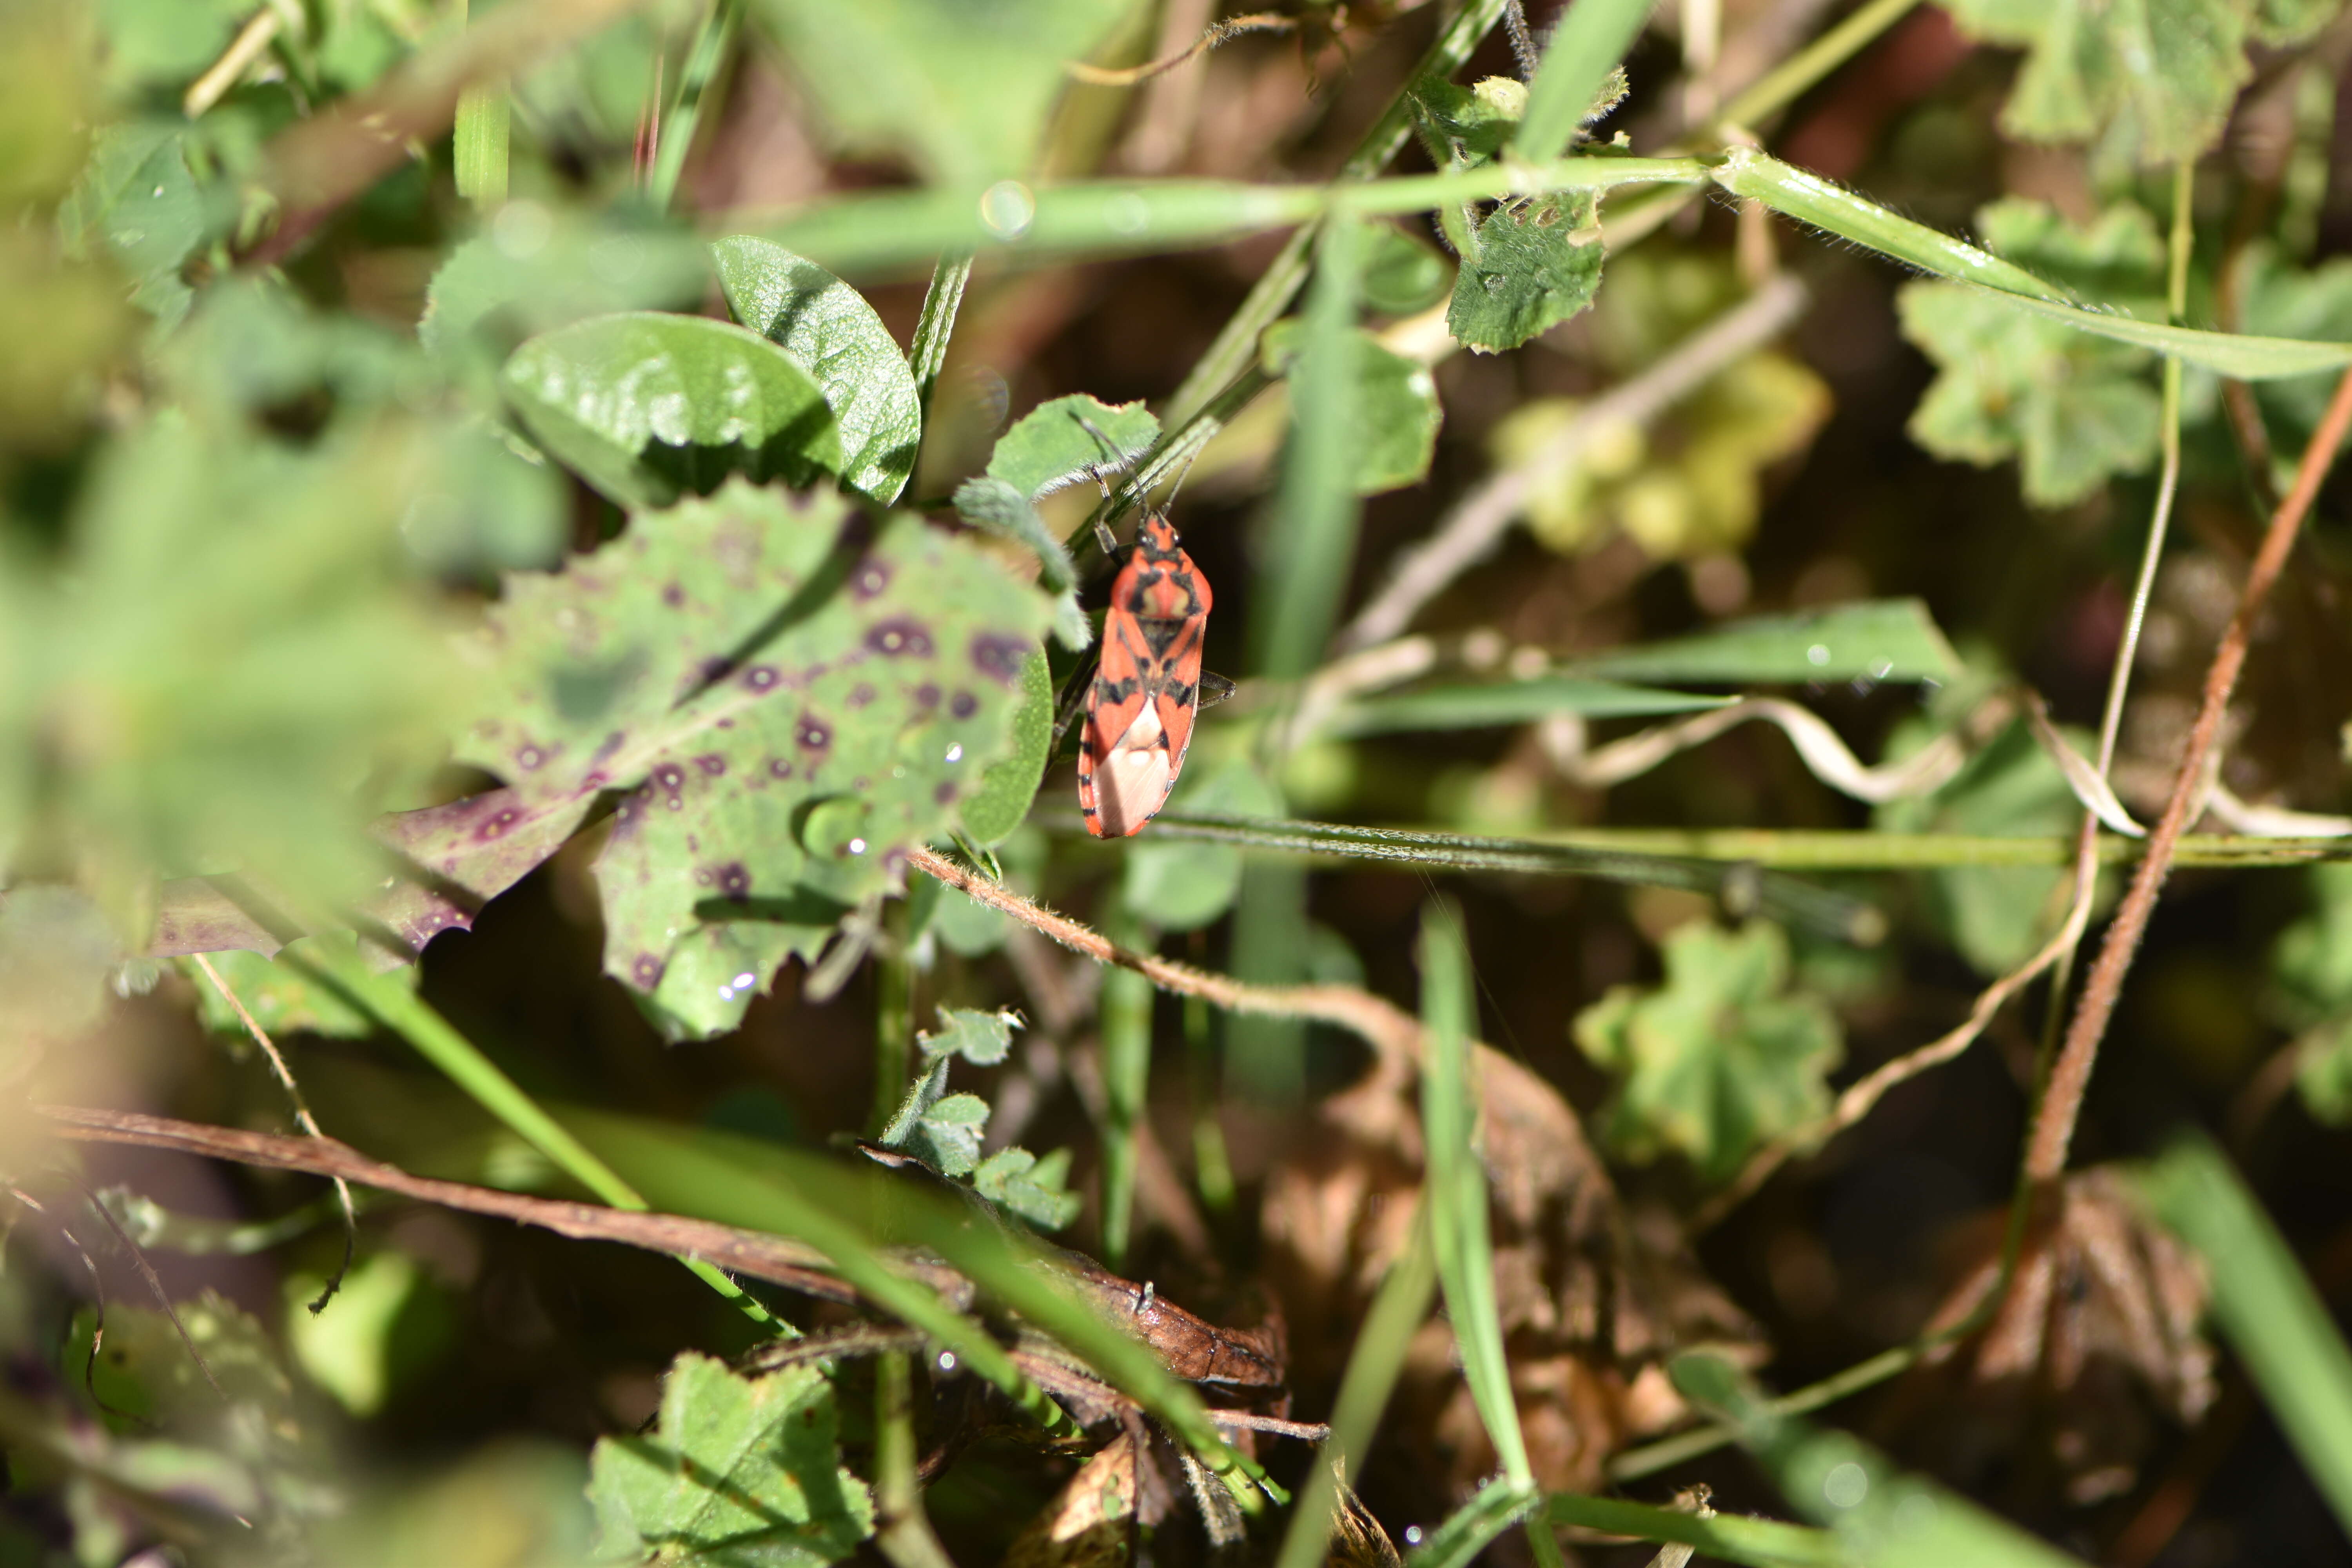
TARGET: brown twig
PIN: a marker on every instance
(769, 1258)
(1387, 1028)
(2069, 1075)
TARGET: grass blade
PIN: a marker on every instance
(2266, 1308)
(1589, 41)
(1373, 1367)
(1730, 1538)
(1457, 1187)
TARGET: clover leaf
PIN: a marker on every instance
(1719, 1060)
(744, 1472)
(2073, 409)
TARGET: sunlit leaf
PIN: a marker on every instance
(137, 202)
(963, 89)
(743, 1473)
(648, 407)
(1535, 264)
(791, 694)
(829, 329)
(1069, 441)
(279, 996)
(2074, 410)
(1719, 1059)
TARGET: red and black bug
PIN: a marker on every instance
(1140, 707)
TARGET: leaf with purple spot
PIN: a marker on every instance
(789, 692)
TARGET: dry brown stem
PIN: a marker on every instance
(2069, 1075)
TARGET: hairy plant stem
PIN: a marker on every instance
(2070, 1075)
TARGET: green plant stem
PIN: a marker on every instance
(1728, 1538)
(1212, 1170)
(894, 1016)
(2175, 304)
(1235, 344)
(1374, 1363)
(1785, 83)
(1588, 41)
(901, 1530)
(704, 61)
(1633, 1464)
(407, 1014)
(1780, 848)
(1126, 1032)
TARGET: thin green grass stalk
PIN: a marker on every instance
(1457, 1187)
(2266, 1308)
(1397, 1311)
(902, 1532)
(1726, 1538)
(705, 61)
(1212, 1170)
(1881, 1515)
(1592, 36)
(2176, 305)
(1466, 1531)
(408, 1016)
(1635, 1464)
(1266, 1057)
(1785, 83)
(480, 142)
(935, 326)
(894, 1016)
(1236, 345)
(1126, 1020)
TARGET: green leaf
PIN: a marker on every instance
(1871, 639)
(999, 509)
(1036, 1190)
(1996, 915)
(1398, 413)
(1398, 419)
(834, 334)
(387, 1320)
(648, 407)
(1719, 1060)
(791, 694)
(2311, 963)
(2074, 410)
(740, 1473)
(243, 614)
(2150, 80)
(984, 1040)
(1050, 446)
(2280, 300)
(2322, 1074)
(1509, 702)
(1009, 785)
(1405, 274)
(2281, 1329)
(1179, 885)
(963, 89)
(1534, 265)
(535, 268)
(137, 201)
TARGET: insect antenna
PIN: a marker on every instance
(1117, 464)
